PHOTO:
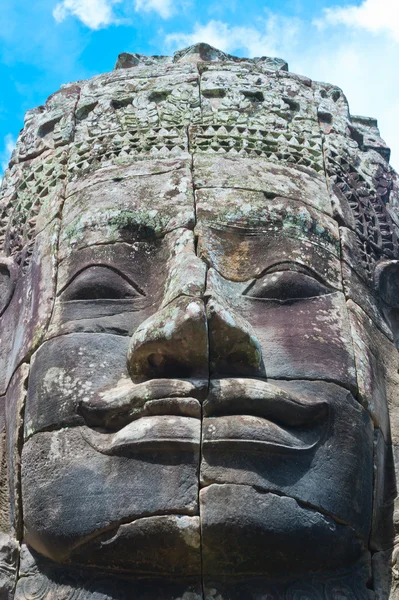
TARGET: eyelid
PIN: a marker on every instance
(110, 276)
(286, 285)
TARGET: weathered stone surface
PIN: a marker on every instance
(113, 288)
(332, 108)
(377, 372)
(126, 60)
(366, 298)
(31, 198)
(385, 502)
(232, 226)
(28, 313)
(368, 135)
(116, 200)
(14, 413)
(277, 104)
(173, 342)
(260, 175)
(68, 369)
(45, 580)
(78, 492)
(151, 546)
(385, 573)
(247, 532)
(4, 486)
(329, 447)
(48, 126)
(9, 555)
(299, 338)
(346, 583)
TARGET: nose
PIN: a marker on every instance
(171, 343)
(234, 349)
(195, 333)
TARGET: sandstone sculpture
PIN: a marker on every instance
(199, 310)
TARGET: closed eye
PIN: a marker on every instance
(286, 285)
(100, 283)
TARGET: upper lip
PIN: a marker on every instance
(124, 402)
(250, 412)
(240, 396)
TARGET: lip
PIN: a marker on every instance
(116, 407)
(256, 416)
(155, 433)
(239, 414)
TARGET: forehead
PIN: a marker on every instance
(144, 199)
(248, 207)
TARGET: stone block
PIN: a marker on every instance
(9, 559)
(259, 175)
(249, 533)
(242, 234)
(44, 579)
(68, 369)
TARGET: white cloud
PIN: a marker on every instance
(165, 8)
(5, 154)
(268, 38)
(95, 14)
(376, 16)
(363, 65)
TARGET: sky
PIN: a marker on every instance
(351, 43)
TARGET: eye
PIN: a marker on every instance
(286, 285)
(99, 283)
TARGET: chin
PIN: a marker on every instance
(250, 533)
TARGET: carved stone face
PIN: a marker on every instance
(208, 387)
(250, 324)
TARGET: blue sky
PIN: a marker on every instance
(352, 43)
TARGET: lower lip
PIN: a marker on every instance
(173, 432)
(256, 434)
(155, 433)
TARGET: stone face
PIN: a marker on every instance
(199, 320)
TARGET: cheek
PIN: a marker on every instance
(304, 339)
(67, 370)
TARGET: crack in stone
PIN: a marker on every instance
(261, 490)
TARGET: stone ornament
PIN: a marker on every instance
(199, 320)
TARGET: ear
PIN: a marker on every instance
(8, 278)
(386, 284)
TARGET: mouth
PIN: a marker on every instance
(238, 414)
(256, 416)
